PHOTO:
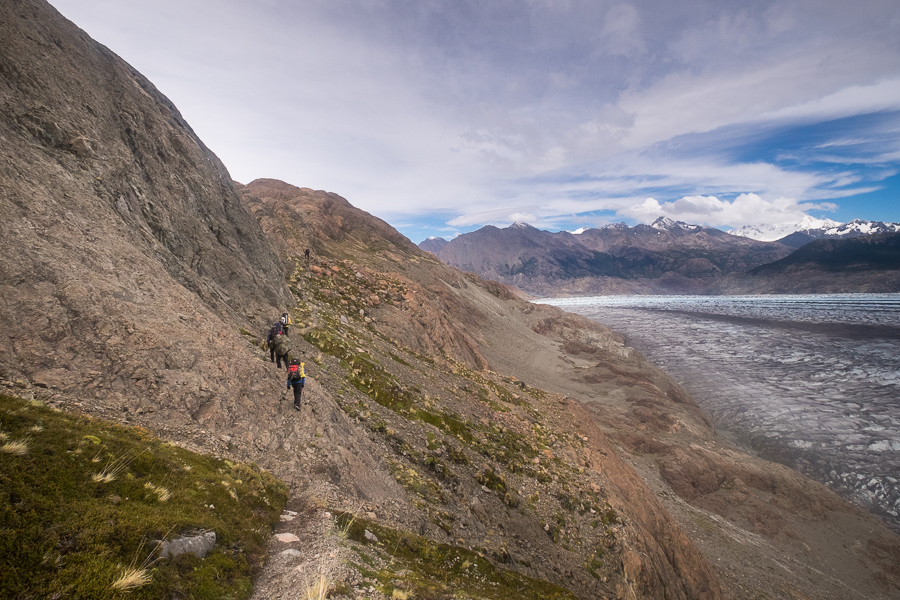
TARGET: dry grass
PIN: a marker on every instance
(17, 448)
(162, 493)
(115, 467)
(318, 589)
(131, 578)
(318, 585)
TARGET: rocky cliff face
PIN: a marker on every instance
(137, 282)
(129, 263)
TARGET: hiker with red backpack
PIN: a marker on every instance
(296, 378)
(279, 345)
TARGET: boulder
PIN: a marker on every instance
(198, 545)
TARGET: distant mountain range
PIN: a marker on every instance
(809, 229)
(669, 257)
(665, 257)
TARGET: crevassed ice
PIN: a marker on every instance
(823, 402)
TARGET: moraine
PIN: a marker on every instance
(809, 381)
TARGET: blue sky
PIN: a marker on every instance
(441, 117)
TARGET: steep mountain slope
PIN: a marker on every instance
(463, 427)
(129, 262)
(865, 253)
(478, 451)
(433, 244)
(666, 257)
(540, 427)
(862, 264)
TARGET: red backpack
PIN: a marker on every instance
(294, 370)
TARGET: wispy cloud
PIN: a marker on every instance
(476, 111)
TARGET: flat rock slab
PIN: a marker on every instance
(198, 545)
(286, 537)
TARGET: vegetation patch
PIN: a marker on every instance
(363, 373)
(409, 566)
(83, 507)
(513, 450)
(595, 563)
(415, 483)
(446, 422)
(492, 481)
(399, 360)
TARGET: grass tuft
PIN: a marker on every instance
(162, 493)
(131, 578)
(114, 468)
(319, 587)
(16, 448)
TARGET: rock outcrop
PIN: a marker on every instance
(129, 262)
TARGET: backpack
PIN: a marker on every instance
(294, 370)
(284, 319)
(282, 344)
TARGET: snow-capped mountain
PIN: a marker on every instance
(667, 224)
(809, 229)
(770, 233)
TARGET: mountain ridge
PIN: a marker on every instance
(809, 229)
(666, 257)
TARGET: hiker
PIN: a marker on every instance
(306, 252)
(297, 378)
(279, 345)
(286, 322)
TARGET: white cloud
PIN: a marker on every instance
(746, 209)
(621, 31)
(856, 99)
(510, 214)
(793, 88)
(537, 110)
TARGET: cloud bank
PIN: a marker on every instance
(445, 115)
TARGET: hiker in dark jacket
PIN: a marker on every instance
(296, 378)
(286, 322)
(278, 344)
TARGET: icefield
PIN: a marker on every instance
(809, 381)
